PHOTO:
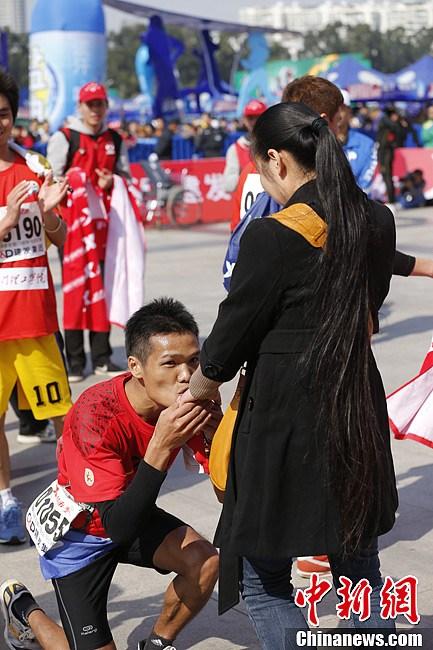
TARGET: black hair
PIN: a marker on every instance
(161, 316)
(338, 360)
(9, 88)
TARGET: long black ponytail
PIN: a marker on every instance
(338, 359)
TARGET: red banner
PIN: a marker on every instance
(203, 184)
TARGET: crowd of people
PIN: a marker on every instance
(387, 128)
(312, 425)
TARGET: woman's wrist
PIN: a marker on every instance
(201, 387)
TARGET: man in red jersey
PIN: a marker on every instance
(238, 154)
(29, 353)
(120, 438)
(98, 153)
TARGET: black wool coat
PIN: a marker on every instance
(278, 502)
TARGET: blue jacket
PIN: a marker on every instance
(361, 152)
(263, 206)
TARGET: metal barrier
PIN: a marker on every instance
(142, 150)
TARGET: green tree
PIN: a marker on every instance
(121, 49)
(388, 52)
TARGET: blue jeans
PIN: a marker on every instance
(267, 591)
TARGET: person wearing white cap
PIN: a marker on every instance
(238, 154)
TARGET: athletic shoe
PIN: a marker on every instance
(12, 530)
(47, 434)
(75, 375)
(305, 566)
(17, 634)
(109, 369)
(142, 645)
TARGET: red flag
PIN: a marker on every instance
(410, 407)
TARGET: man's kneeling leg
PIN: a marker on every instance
(195, 561)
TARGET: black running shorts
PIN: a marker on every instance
(82, 596)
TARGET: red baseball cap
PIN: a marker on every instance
(254, 108)
(92, 90)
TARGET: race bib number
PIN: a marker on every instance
(50, 516)
(26, 240)
(252, 187)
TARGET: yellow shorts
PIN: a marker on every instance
(37, 365)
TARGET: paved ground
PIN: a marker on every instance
(187, 264)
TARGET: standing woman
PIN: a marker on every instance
(311, 471)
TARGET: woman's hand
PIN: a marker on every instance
(51, 194)
(211, 425)
(187, 397)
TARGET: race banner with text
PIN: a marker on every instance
(202, 180)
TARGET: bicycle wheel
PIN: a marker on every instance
(183, 208)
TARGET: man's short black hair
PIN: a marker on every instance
(9, 88)
(161, 316)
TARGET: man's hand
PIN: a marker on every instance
(51, 193)
(175, 426)
(105, 179)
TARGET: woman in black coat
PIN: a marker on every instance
(311, 470)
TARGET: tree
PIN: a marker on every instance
(121, 49)
(388, 52)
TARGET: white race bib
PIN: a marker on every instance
(50, 516)
(252, 187)
(19, 278)
(26, 240)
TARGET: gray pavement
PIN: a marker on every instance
(186, 264)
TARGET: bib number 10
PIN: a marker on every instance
(48, 393)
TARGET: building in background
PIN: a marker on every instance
(315, 15)
(13, 15)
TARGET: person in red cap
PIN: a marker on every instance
(238, 154)
(86, 143)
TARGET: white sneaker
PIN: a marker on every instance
(75, 376)
(110, 369)
(18, 636)
(48, 434)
